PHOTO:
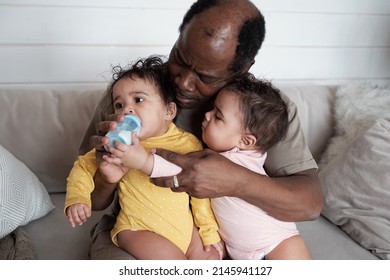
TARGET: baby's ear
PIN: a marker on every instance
(247, 141)
(171, 111)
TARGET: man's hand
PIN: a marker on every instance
(205, 174)
(100, 140)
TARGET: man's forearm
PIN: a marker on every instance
(293, 198)
(103, 193)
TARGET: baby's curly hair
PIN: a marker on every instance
(153, 68)
(263, 111)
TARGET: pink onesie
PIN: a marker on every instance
(248, 232)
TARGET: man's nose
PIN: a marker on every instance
(185, 80)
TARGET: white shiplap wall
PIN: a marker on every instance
(75, 42)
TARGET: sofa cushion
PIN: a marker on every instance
(355, 106)
(357, 191)
(43, 128)
(23, 198)
(315, 111)
(354, 165)
(55, 239)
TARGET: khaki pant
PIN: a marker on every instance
(102, 247)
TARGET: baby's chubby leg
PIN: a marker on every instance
(196, 249)
(147, 245)
(292, 248)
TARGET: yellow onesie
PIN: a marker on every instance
(145, 206)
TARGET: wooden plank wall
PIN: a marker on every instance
(75, 42)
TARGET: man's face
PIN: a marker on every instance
(199, 64)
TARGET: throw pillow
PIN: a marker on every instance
(357, 191)
(356, 106)
(23, 198)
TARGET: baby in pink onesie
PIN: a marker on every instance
(249, 117)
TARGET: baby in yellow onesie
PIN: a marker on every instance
(154, 222)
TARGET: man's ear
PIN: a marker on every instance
(171, 111)
(247, 141)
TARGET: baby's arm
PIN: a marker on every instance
(79, 186)
(163, 168)
(131, 156)
(205, 221)
(78, 214)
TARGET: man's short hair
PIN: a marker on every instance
(250, 37)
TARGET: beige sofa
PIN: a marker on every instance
(43, 128)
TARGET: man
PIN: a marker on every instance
(218, 41)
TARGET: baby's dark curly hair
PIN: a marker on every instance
(263, 111)
(154, 69)
(250, 37)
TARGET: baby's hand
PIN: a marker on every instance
(129, 156)
(219, 247)
(78, 214)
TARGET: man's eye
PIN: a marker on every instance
(208, 80)
(139, 99)
(118, 106)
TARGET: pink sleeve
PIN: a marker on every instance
(162, 167)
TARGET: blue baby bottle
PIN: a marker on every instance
(124, 130)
